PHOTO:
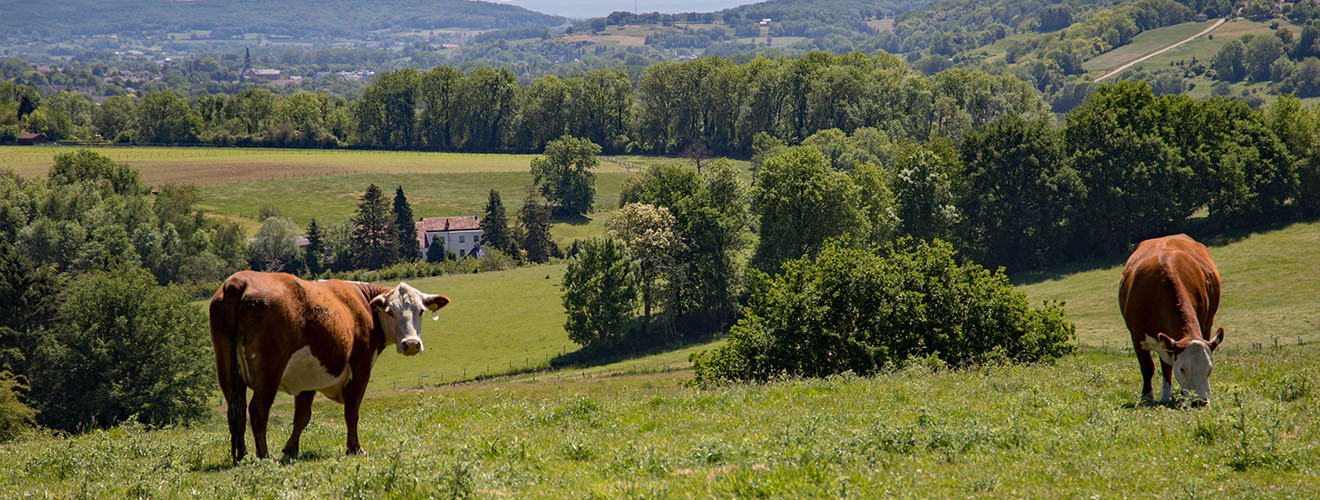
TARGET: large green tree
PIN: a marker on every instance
(1136, 183)
(127, 348)
(600, 294)
(1019, 193)
(163, 117)
(801, 202)
(649, 233)
(386, 112)
(564, 174)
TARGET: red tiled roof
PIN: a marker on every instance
(461, 223)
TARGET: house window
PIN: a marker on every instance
(460, 238)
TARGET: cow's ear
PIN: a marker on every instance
(1219, 337)
(1167, 343)
(378, 303)
(435, 302)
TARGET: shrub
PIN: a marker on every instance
(127, 349)
(854, 310)
(15, 417)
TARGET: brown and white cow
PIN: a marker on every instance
(1168, 296)
(274, 332)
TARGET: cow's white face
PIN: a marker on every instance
(400, 315)
(1192, 364)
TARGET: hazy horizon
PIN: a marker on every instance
(581, 9)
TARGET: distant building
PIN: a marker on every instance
(31, 139)
(461, 235)
(269, 75)
(765, 22)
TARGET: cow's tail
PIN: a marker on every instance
(233, 296)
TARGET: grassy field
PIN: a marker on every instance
(496, 323)
(1202, 49)
(1269, 290)
(1062, 430)
(634, 428)
(326, 184)
(1144, 43)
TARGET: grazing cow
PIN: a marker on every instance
(274, 332)
(1168, 296)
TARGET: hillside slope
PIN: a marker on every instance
(1061, 430)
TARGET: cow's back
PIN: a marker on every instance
(1167, 282)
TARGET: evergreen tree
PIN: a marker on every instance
(315, 251)
(535, 231)
(373, 234)
(406, 236)
(494, 224)
(436, 252)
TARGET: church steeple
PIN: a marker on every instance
(247, 58)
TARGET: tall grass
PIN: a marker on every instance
(1068, 429)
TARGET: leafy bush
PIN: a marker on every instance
(127, 349)
(15, 417)
(854, 310)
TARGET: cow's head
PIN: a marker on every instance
(1190, 359)
(399, 312)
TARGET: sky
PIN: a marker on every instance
(582, 9)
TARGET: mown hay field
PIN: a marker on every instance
(326, 184)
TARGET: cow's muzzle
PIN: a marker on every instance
(410, 347)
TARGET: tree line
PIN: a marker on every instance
(668, 108)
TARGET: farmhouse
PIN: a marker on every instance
(460, 235)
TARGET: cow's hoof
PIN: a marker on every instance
(356, 451)
(1199, 403)
(1147, 400)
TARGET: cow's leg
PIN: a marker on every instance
(1147, 371)
(259, 412)
(352, 395)
(1167, 392)
(302, 413)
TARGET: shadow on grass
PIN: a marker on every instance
(1208, 235)
(305, 456)
(571, 219)
(1176, 403)
(592, 357)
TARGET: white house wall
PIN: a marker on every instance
(460, 242)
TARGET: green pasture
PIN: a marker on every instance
(1269, 280)
(1061, 430)
(496, 323)
(1202, 49)
(335, 198)
(1145, 43)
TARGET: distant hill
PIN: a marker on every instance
(35, 21)
(583, 9)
